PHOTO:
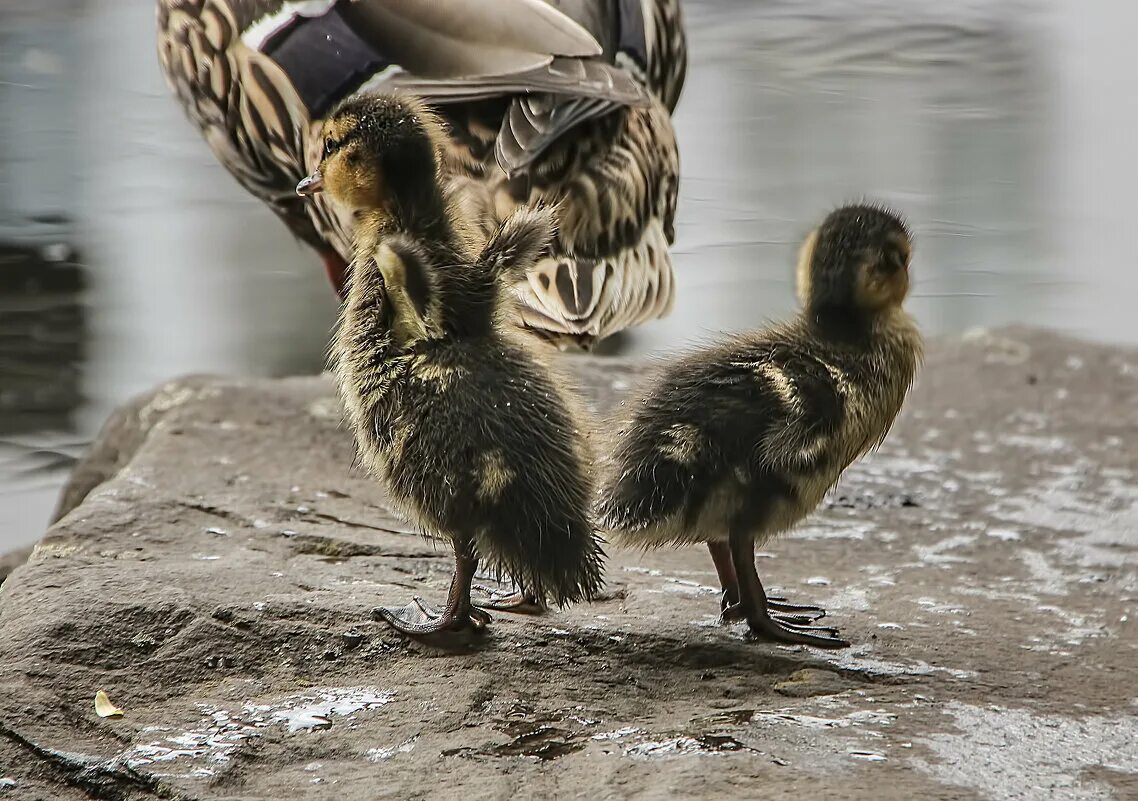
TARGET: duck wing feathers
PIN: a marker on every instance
(452, 51)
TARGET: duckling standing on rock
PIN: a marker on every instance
(473, 438)
(738, 442)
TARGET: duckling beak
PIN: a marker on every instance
(311, 185)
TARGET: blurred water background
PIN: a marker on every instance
(128, 256)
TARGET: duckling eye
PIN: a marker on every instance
(330, 147)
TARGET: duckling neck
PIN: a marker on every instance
(846, 324)
(420, 209)
(427, 223)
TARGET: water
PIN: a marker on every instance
(1004, 131)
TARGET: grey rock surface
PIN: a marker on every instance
(217, 560)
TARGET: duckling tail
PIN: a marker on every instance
(550, 555)
(639, 505)
(659, 476)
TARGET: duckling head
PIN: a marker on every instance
(857, 260)
(381, 154)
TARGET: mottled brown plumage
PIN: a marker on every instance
(474, 438)
(566, 102)
(740, 441)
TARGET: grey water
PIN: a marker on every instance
(1004, 130)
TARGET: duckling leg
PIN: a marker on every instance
(754, 608)
(729, 607)
(721, 558)
(419, 618)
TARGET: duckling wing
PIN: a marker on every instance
(808, 408)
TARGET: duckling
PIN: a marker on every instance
(567, 101)
(474, 438)
(740, 441)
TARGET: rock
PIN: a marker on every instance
(217, 559)
(810, 681)
(122, 434)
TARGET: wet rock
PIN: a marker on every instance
(984, 564)
(809, 682)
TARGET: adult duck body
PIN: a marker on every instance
(566, 101)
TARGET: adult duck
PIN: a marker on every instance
(566, 101)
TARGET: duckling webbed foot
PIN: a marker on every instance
(522, 603)
(766, 628)
(419, 618)
(735, 612)
(779, 609)
(787, 626)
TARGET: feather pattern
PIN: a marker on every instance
(566, 102)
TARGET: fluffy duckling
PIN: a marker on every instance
(740, 441)
(472, 436)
